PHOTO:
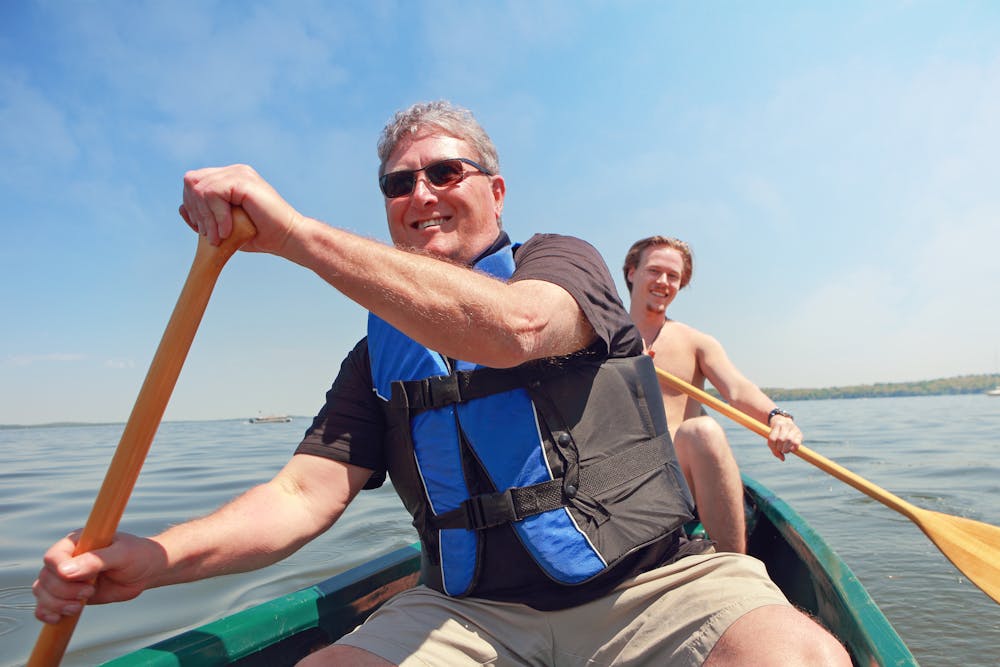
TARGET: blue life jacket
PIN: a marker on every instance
(447, 416)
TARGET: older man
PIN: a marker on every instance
(496, 387)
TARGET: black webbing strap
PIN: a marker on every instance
(625, 466)
(493, 509)
(441, 390)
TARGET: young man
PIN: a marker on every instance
(656, 269)
(482, 389)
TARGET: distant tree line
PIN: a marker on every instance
(961, 384)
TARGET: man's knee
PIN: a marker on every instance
(777, 635)
(702, 428)
(703, 434)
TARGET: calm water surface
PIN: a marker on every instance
(940, 453)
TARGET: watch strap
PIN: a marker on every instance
(777, 411)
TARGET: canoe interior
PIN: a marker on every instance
(283, 630)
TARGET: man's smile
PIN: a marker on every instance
(433, 222)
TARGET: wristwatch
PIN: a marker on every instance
(777, 411)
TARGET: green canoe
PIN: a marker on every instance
(282, 631)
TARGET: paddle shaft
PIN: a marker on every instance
(146, 415)
(843, 474)
(972, 546)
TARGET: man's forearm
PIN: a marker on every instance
(257, 529)
(751, 400)
(449, 308)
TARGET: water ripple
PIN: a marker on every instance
(8, 625)
(18, 597)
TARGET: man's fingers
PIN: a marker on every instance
(187, 217)
(55, 597)
(222, 214)
(203, 208)
(84, 567)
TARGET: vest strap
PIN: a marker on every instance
(487, 510)
(442, 390)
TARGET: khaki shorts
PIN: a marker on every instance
(672, 615)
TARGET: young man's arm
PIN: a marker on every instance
(746, 396)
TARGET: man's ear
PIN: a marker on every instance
(499, 189)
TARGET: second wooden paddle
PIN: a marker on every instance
(972, 546)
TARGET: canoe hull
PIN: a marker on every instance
(815, 579)
(282, 631)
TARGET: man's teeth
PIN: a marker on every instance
(436, 222)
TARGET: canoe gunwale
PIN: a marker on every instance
(838, 599)
(302, 619)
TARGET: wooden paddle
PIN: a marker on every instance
(972, 546)
(146, 415)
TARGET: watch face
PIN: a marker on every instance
(778, 411)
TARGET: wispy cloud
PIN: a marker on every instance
(48, 357)
(833, 168)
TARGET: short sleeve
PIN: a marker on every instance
(577, 267)
(351, 425)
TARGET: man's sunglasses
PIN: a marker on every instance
(443, 173)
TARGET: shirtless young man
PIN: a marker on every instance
(656, 269)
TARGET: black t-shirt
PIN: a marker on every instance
(351, 425)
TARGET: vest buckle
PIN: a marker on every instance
(441, 390)
(490, 509)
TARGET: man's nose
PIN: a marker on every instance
(423, 188)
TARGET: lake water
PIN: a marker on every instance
(939, 452)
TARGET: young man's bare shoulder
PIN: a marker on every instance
(676, 329)
(678, 334)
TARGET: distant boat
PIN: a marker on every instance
(271, 419)
(994, 392)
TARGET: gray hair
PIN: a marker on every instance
(445, 117)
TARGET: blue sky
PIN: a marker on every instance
(834, 166)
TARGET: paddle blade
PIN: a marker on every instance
(972, 546)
